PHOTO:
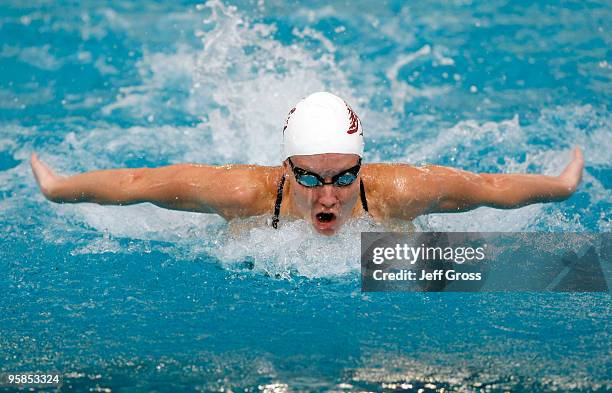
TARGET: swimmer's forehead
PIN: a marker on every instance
(326, 164)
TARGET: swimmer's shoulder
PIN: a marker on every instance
(394, 188)
(264, 182)
(247, 190)
(386, 176)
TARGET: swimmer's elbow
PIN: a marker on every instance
(130, 188)
(493, 192)
(500, 193)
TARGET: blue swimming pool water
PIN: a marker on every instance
(142, 299)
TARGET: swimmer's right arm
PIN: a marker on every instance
(229, 191)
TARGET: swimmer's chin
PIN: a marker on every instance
(326, 232)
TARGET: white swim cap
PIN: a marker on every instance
(322, 123)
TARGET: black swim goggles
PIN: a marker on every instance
(310, 179)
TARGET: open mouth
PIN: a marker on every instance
(325, 217)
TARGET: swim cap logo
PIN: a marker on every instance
(354, 121)
(287, 120)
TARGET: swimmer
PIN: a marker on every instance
(322, 180)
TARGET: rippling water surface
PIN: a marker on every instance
(140, 298)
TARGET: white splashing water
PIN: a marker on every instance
(296, 248)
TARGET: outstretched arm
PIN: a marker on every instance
(230, 191)
(444, 190)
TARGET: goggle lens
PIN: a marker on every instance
(345, 179)
(309, 179)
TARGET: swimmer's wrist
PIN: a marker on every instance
(52, 190)
(566, 186)
(62, 190)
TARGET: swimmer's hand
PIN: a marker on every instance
(438, 189)
(572, 174)
(47, 179)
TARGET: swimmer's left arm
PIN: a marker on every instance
(447, 190)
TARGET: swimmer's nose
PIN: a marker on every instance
(327, 196)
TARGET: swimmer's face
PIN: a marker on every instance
(328, 206)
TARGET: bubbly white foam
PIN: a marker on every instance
(295, 248)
